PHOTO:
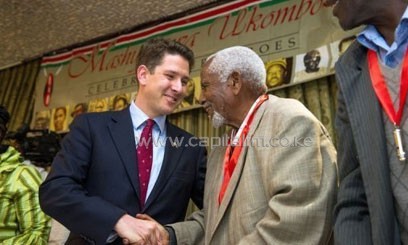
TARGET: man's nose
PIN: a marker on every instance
(177, 86)
(202, 99)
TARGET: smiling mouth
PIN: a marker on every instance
(173, 98)
(208, 108)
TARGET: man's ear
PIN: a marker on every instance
(142, 72)
(235, 82)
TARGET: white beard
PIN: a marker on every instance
(217, 120)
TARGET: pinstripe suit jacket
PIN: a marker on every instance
(279, 193)
(365, 211)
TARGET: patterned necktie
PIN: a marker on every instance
(144, 158)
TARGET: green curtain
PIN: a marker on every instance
(319, 97)
(17, 85)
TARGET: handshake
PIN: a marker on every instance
(141, 230)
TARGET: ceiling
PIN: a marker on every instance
(31, 28)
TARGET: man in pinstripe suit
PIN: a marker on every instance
(372, 198)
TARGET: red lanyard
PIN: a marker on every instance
(384, 97)
(381, 90)
(230, 161)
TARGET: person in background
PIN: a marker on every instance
(21, 218)
(102, 176)
(372, 81)
(275, 182)
(31, 147)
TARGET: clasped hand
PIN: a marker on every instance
(141, 230)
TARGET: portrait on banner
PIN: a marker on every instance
(278, 72)
(312, 65)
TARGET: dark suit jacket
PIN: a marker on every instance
(365, 210)
(94, 178)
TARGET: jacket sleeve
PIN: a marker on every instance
(190, 231)
(352, 221)
(198, 188)
(63, 194)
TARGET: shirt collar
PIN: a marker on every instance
(139, 117)
(372, 39)
(241, 128)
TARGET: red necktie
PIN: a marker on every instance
(144, 152)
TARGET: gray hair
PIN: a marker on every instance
(244, 60)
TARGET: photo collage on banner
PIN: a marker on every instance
(280, 73)
(58, 119)
(101, 76)
(314, 64)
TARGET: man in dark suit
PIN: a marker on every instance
(372, 198)
(93, 188)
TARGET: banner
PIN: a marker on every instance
(298, 40)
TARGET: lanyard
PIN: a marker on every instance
(232, 153)
(384, 97)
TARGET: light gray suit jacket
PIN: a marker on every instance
(279, 193)
(365, 209)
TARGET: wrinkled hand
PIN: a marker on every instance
(138, 231)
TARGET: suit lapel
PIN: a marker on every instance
(213, 182)
(121, 130)
(235, 178)
(363, 107)
(172, 154)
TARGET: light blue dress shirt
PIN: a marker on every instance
(159, 140)
(392, 55)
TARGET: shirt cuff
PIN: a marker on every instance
(112, 237)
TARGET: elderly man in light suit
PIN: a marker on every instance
(283, 186)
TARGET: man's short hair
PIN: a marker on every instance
(152, 52)
(242, 59)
